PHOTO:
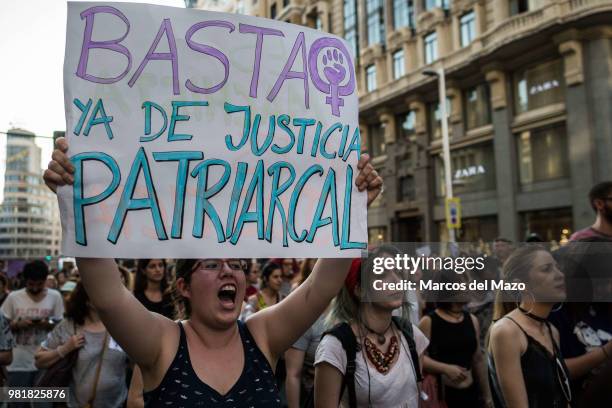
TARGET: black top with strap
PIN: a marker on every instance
(453, 343)
(181, 387)
(345, 335)
(540, 374)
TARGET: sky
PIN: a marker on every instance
(32, 40)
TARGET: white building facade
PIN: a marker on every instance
(29, 216)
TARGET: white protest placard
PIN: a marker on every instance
(202, 134)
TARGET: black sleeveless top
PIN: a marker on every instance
(540, 373)
(181, 387)
(453, 343)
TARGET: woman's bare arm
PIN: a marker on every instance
(125, 318)
(135, 394)
(506, 351)
(480, 367)
(294, 361)
(328, 384)
(6, 357)
(276, 328)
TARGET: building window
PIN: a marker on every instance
(477, 106)
(350, 24)
(318, 22)
(542, 154)
(539, 86)
(403, 14)
(376, 140)
(377, 235)
(285, 3)
(550, 225)
(406, 124)
(376, 26)
(432, 4)
(435, 116)
(431, 47)
(472, 229)
(519, 6)
(406, 188)
(398, 64)
(467, 24)
(371, 78)
(472, 170)
(273, 11)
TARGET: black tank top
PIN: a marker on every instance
(539, 369)
(181, 387)
(453, 343)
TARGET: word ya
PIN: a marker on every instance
(205, 191)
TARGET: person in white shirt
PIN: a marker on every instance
(32, 311)
(385, 373)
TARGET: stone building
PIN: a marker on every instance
(529, 86)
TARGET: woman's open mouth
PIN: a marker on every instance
(227, 295)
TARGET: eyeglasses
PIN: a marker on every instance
(217, 264)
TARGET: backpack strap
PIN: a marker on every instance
(406, 328)
(345, 335)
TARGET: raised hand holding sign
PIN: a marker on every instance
(170, 153)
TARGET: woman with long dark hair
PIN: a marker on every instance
(98, 376)
(211, 358)
(527, 369)
(269, 293)
(151, 286)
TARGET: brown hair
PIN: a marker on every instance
(599, 192)
(77, 308)
(267, 271)
(305, 269)
(140, 281)
(127, 276)
(517, 267)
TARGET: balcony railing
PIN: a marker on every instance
(555, 11)
(515, 26)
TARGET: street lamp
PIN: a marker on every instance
(445, 139)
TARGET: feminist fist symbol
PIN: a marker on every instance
(333, 70)
(336, 74)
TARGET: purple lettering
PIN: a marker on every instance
(213, 52)
(166, 27)
(288, 74)
(111, 45)
(260, 31)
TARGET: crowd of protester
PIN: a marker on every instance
(304, 332)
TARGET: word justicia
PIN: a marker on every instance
(305, 137)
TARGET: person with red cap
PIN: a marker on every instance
(370, 358)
